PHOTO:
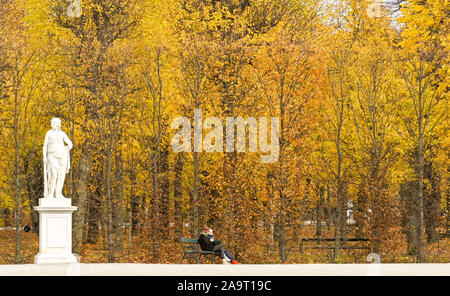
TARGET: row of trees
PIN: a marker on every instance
(361, 98)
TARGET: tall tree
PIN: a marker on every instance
(285, 71)
(421, 59)
(374, 109)
(23, 74)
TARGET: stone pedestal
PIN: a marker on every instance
(55, 231)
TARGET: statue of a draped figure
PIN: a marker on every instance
(56, 159)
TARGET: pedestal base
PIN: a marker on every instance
(55, 258)
(55, 231)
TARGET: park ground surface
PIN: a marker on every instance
(129, 269)
(141, 251)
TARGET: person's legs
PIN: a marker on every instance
(218, 249)
(228, 255)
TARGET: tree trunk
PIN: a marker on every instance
(94, 216)
(103, 223)
(447, 232)
(134, 214)
(34, 175)
(84, 165)
(282, 177)
(165, 216)
(340, 208)
(109, 209)
(319, 211)
(339, 182)
(420, 169)
(338, 224)
(155, 204)
(130, 226)
(195, 197)
(17, 189)
(410, 215)
(118, 202)
(282, 239)
(329, 208)
(361, 210)
(432, 203)
(17, 212)
(177, 193)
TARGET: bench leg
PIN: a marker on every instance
(184, 255)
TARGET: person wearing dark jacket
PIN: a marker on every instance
(209, 243)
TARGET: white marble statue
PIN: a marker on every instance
(56, 160)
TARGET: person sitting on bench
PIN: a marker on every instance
(209, 243)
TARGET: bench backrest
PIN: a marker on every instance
(314, 239)
(190, 244)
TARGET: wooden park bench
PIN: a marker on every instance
(364, 243)
(191, 248)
